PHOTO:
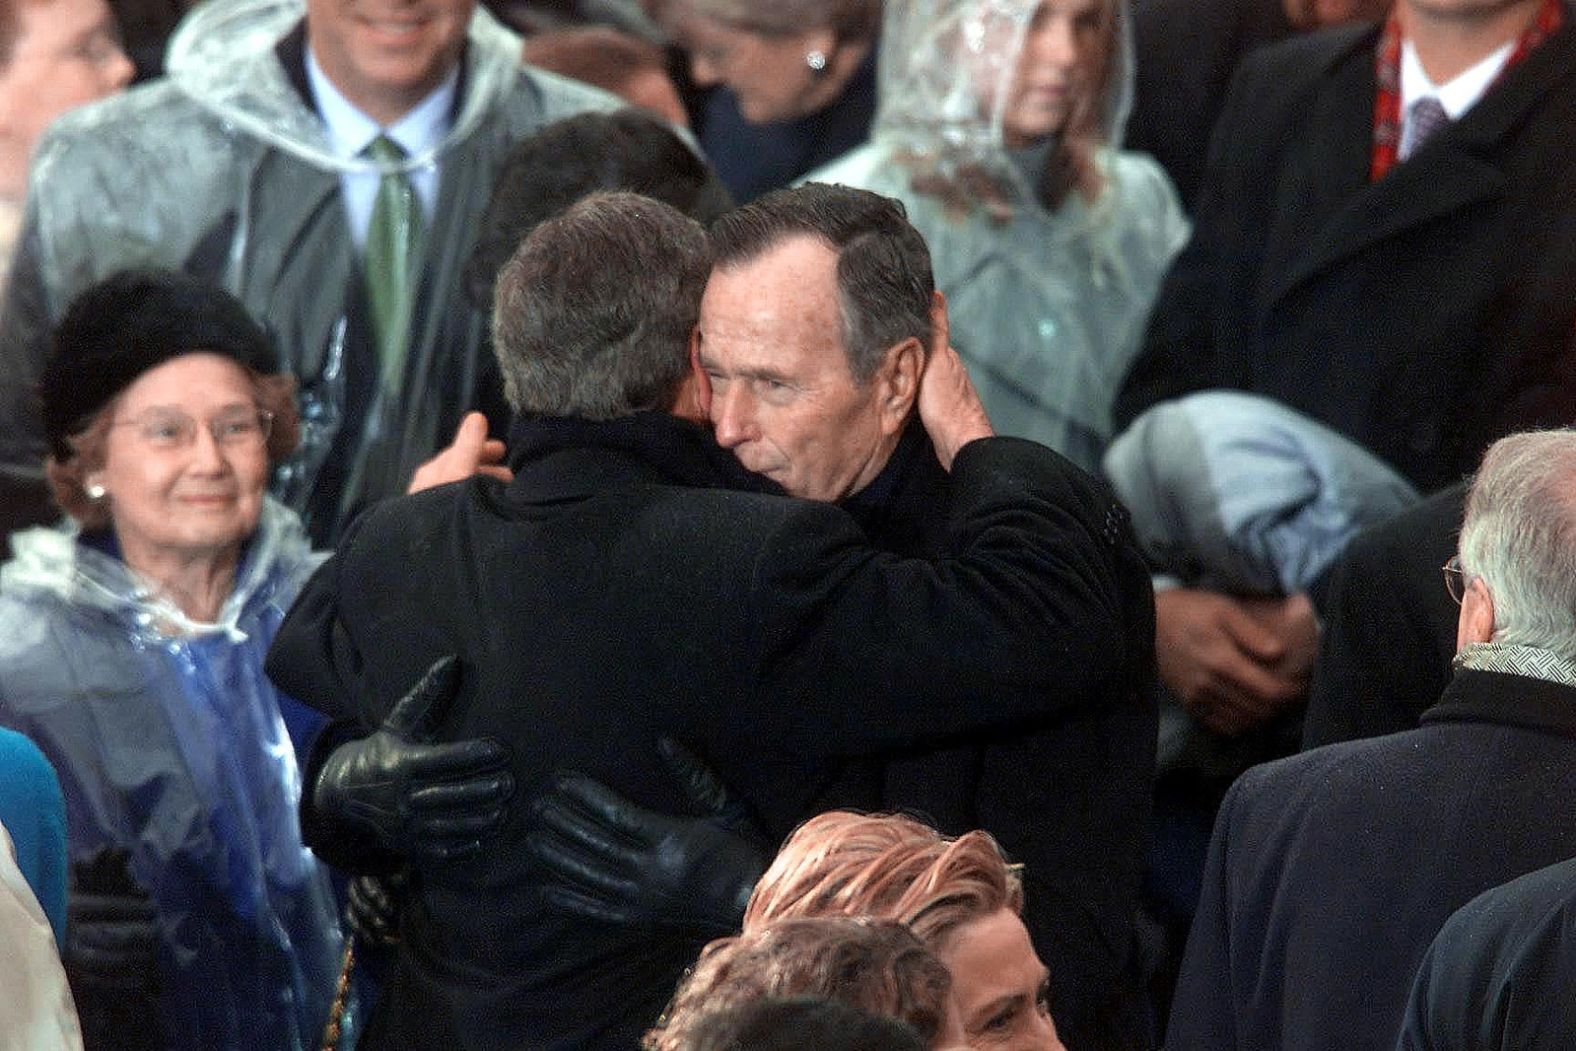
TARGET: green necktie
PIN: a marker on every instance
(393, 259)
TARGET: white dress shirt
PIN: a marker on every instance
(350, 132)
(1457, 95)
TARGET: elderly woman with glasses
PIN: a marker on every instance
(131, 651)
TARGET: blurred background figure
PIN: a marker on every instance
(999, 129)
(634, 69)
(959, 896)
(794, 80)
(54, 54)
(875, 965)
(1187, 51)
(36, 1013)
(132, 655)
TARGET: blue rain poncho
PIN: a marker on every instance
(169, 743)
(1047, 307)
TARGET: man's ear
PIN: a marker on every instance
(898, 383)
(1476, 623)
(692, 400)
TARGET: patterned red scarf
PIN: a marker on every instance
(1387, 101)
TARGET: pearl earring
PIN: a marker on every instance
(816, 60)
(95, 491)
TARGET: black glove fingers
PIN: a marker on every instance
(701, 783)
(604, 819)
(459, 796)
(415, 715)
(99, 908)
(596, 876)
(589, 908)
(452, 760)
(458, 828)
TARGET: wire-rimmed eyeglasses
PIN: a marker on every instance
(1456, 578)
(241, 428)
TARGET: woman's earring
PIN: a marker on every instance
(816, 60)
(95, 490)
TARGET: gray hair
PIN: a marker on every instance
(593, 312)
(1519, 535)
(849, 19)
(884, 279)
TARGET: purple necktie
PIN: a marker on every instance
(1426, 117)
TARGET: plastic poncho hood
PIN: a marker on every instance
(222, 56)
(946, 70)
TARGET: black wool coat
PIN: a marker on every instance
(1067, 796)
(1331, 871)
(1501, 974)
(1423, 315)
(602, 600)
(1389, 626)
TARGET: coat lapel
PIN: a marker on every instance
(1461, 166)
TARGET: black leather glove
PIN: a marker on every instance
(372, 906)
(111, 954)
(412, 796)
(111, 943)
(611, 861)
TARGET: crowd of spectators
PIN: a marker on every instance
(737, 524)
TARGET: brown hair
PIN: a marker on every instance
(597, 55)
(872, 964)
(849, 19)
(68, 478)
(887, 865)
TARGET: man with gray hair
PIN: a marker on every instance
(1330, 872)
(617, 592)
(812, 337)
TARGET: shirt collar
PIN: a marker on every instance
(350, 131)
(1458, 94)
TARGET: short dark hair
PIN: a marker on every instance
(594, 311)
(799, 1022)
(546, 173)
(884, 279)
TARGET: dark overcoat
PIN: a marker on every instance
(1422, 315)
(1502, 973)
(595, 605)
(1331, 871)
(1068, 796)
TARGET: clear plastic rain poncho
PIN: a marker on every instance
(1047, 304)
(169, 742)
(222, 169)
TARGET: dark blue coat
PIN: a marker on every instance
(1330, 872)
(1501, 976)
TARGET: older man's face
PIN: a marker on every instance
(385, 56)
(782, 396)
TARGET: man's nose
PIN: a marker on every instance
(732, 414)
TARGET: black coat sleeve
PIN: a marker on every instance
(1029, 609)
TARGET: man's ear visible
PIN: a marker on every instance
(1476, 623)
(901, 367)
